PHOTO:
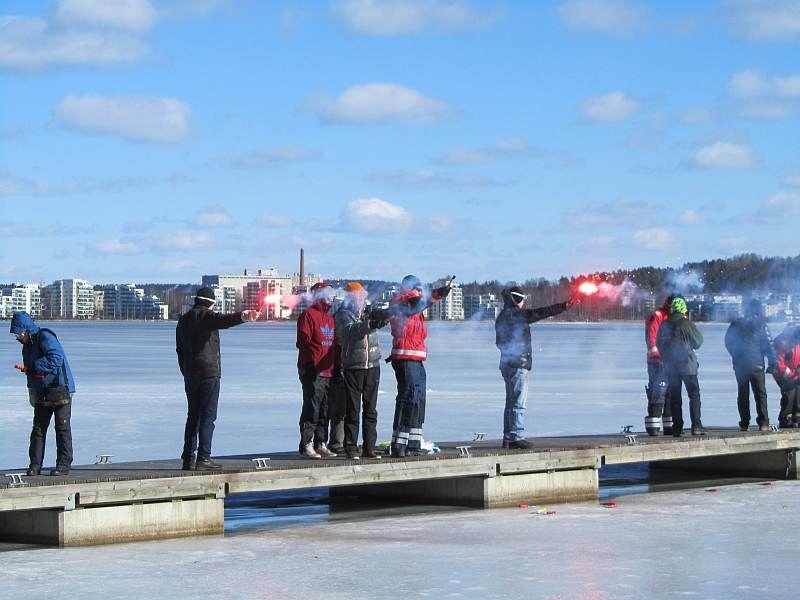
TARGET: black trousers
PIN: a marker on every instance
(41, 423)
(361, 392)
(746, 380)
(409, 408)
(676, 382)
(336, 410)
(790, 406)
(657, 402)
(202, 398)
(314, 415)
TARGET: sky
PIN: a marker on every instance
(160, 140)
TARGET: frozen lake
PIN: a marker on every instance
(587, 378)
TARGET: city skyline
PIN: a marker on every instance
(158, 141)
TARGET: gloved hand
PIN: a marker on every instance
(443, 291)
(26, 370)
(21, 368)
(248, 316)
(653, 353)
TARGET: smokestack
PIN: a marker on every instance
(302, 267)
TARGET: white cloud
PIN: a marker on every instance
(410, 17)
(115, 246)
(163, 120)
(598, 243)
(613, 17)
(725, 155)
(697, 116)
(654, 238)
(474, 156)
(692, 217)
(764, 20)
(213, 218)
(761, 96)
(274, 220)
(620, 213)
(185, 240)
(29, 44)
(428, 178)
(379, 102)
(131, 15)
(783, 203)
(374, 215)
(261, 159)
(614, 106)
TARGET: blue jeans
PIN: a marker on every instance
(202, 396)
(516, 381)
(409, 407)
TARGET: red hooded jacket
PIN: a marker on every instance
(651, 327)
(787, 349)
(315, 340)
(408, 325)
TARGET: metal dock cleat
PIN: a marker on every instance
(261, 462)
(16, 480)
(103, 459)
(463, 451)
(479, 436)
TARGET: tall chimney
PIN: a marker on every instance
(302, 267)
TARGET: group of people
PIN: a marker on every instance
(339, 371)
(672, 364)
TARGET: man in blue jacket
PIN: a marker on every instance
(50, 389)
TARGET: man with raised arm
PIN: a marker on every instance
(197, 345)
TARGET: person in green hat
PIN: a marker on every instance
(678, 338)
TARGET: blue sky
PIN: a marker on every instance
(149, 140)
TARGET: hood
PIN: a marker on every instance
(508, 301)
(22, 322)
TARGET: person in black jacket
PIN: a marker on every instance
(748, 341)
(197, 345)
(513, 339)
(678, 338)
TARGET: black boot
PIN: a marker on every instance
(33, 471)
(397, 451)
(206, 464)
(59, 471)
(188, 465)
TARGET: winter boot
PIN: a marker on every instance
(667, 421)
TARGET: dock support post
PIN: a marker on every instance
(89, 525)
(574, 485)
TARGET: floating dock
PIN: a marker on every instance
(108, 503)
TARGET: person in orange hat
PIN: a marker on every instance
(357, 336)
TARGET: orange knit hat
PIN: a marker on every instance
(354, 286)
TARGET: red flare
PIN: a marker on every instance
(587, 288)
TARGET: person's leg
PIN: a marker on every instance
(208, 399)
(656, 391)
(676, 402)
(787, 407)
(743, 398)
(369, 417)
(516, 403)
(352, 384)
(337, 396)
(308, 411)
(63, 436)
(399, 435)
(794, 402)
(41, 422)
(321, 387)
(693, 391)
(416, 413)
(192, 427)
(759, 386)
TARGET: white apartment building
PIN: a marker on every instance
(68, 299)
(481, 306)
(126, 301)
(247, 291)
(28, 298)
(451, 308)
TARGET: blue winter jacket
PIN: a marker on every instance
(42, 354)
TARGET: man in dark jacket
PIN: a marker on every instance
(357, 337)
(748, 341)
(50, 390)
(678, 338)
(513, 339)
(315, 365)
(197, 345)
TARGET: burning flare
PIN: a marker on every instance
(587, 288)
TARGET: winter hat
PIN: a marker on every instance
(754, 309)
(411, 282)
(205, 297)
(516, 293)
(354, 286)
(678, 306)
(322, 291)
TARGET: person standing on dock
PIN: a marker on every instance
(357, 338)
(748, 341)
(50, 390)
(407, 358)
(787, 375)
(658, 408)
(678, 338)
(513, 339)
(197, 345)
(315, 364)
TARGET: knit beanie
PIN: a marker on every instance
(354, 286)
(678, 306)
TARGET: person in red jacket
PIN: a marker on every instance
(315, 364)
(658, 408)
(407, 357)
(787, 375)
